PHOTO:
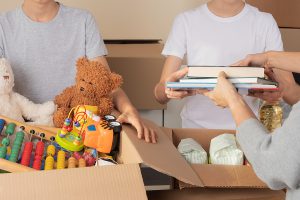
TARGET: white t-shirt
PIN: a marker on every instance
(207, 39)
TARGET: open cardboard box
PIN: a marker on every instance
(124, 181)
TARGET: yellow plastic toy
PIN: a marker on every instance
(71, 136)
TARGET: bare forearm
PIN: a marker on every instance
(289, 61)
(291, 94)
(121, 101)
(171, 65)
(160, 94)
(239, 109)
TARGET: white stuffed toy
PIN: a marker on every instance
(18, 107)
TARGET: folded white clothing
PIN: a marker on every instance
(192, 151)
(224, 151)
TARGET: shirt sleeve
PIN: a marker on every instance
(177, 39)
(274, 157)
(273, 38)
(94, 43)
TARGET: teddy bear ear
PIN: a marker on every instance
(117, 80)
(82, 63)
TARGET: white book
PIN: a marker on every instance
(231, 72)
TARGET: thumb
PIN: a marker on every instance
(244, 62)
(222, 75)
(179, 74)
(122, 118)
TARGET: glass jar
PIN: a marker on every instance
(271, 114)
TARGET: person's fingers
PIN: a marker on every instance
(244, 62)
(173, 94)
(201, 91)
(210, 95)
(146, 134)
(122, 118)
(179, 74)
(222, 76)
(139, 128)
(153, 136)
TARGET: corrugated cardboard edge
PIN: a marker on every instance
(217, 194)
(162, 156)
(134, 50)
(120, 182)
(13, 167)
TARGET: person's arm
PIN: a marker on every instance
(288, 61)
(284, 61)
(96, 50)
(175, 50)
(170, 73)
(128, 112)
(269, 154)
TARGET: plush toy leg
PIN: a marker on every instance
(59, 116)
(44, 120)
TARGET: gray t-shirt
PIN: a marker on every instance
(43, 55)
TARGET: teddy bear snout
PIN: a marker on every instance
(81, 89)
(6, 77)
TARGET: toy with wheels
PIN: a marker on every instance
(104, 135)
(84, 128)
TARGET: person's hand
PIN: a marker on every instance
(223, 92)
(143, 132)
(260, 60)
(268, 96)
(285, 80)
(179, 94)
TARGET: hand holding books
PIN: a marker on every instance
(175, 93)
(224, 93)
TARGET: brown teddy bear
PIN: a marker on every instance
(94, 85)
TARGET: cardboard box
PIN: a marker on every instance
(286, 12)
(124, 181)
(164, 157)
(290, 38)
(140, 63)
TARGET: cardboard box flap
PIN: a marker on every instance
(13, 167)
(163, 156)
(107, 182)
(135, 50)
(234, 177)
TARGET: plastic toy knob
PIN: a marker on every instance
(5, 142)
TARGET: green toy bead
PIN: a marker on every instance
(16, 146)
(5, 142)
(20, 134)
(2, 152)
(10, 128)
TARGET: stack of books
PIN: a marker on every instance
(205, 77)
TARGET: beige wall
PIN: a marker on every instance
(128, 19)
